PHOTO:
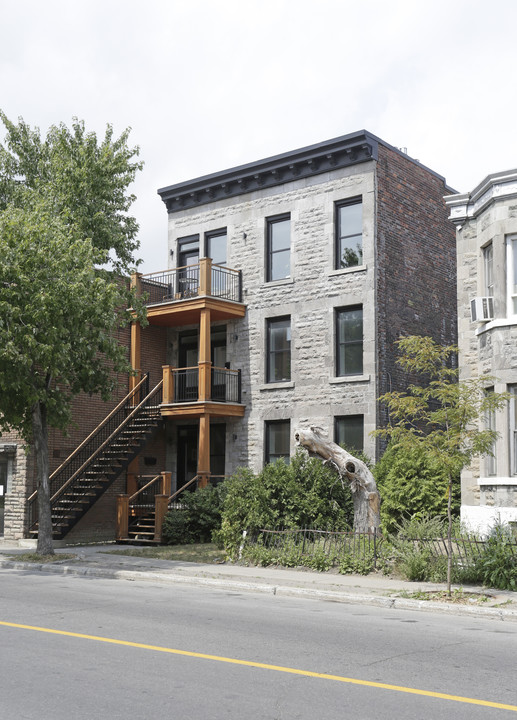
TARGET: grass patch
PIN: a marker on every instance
(37, 558)
(459, 596)
(195, 552)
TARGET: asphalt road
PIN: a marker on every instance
(84, 648)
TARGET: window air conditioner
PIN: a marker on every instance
(482, 309)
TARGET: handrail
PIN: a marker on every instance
(183, 267)
(99, 427)
(183, 487)
(132, 414)
(140, 490)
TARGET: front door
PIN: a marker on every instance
(187, 454)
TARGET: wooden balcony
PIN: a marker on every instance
(201, 390)
(177, 296)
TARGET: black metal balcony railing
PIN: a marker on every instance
(225, 385)
(186, 384)
(185, 282)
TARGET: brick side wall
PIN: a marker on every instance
(416, 262)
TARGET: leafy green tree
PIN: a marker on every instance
(63, 206)
(439, 415)
(412, 485)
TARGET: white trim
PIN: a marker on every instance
(482, 519)
(497, 480)
(346, 271)
(276, 386)
(499, 323)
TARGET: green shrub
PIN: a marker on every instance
(411, 485)
(198, 518)
(302, 494)
(496, 567)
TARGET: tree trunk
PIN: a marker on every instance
(449, 536)
(40, 434)
(367, 502)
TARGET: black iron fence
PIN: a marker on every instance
(226, 385)
(185, 282)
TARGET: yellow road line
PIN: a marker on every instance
(266, 666)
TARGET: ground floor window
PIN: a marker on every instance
(278, 435)
(349, 431)
(491, 462)
(513, 428)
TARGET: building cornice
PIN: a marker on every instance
(294, 165)
(494, 187)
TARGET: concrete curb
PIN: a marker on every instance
(389, 602)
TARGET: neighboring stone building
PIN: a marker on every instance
(290, 280)
(486, 222)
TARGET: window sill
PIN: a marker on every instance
(274, 283)
(349, 379)
(499, 323)
(497, 480)
(277, 386)
(347, 271)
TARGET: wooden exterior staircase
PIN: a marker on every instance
(93, 467)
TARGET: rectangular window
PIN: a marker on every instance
(349, 431)
(349, 234)
(488, 261)
(278, 350)
(215, 246)
(513, 428)
(511, 270)
(278, 434)
(278, 248)
(491, 460)
(349, 341)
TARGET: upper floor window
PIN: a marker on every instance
(349, 341)
(277, 440)
(488, 261)
(188, 251)
(279, 350)
(349, 431)
(511, 272)
(349, 234)
(215, 246)
(278, 248)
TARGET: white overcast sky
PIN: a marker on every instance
(209, 84)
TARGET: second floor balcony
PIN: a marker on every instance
(175, 296)
(202, 389)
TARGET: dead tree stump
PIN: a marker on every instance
(365, 495)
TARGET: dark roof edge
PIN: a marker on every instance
(343, 151)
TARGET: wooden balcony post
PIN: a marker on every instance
(205, 276)
(204, 355)
(122, 516)
(203, 458)
(166, 483)
(161, 503)
(168, 384)
(132, 478)
(134, 354)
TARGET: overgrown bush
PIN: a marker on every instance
(410, 556)
(302, 494)
(199, 516)
(411, 485)
(496, 566)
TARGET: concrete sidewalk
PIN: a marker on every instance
(104, 561)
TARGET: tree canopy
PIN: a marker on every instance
(64, 205)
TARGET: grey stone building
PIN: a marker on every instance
(486, 231)
(342, 247)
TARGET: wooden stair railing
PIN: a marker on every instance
(127, 508)
(100, 458)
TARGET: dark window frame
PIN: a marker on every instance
(338, 313)
(269, 351)
(338, 237)
(213, 234)
(339, 418)
(268, 424)
(270, 223)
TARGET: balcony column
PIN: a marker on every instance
(204, 356)
(134, 353)
(203, 457)
(205, 276)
